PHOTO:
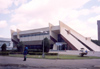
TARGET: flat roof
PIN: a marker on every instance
(5, 39)
(35, 30)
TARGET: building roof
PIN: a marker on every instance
(5, 39)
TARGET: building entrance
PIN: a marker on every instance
(60, 46)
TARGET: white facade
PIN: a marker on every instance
(62, 33)
(77, 39)
(8, 42)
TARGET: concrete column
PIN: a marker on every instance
(18, 31)
(98, 23)
(12, 31)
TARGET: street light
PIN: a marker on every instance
(43, 55)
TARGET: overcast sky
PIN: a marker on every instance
(80, 15)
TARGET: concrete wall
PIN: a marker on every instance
(34, 38)
(76, 43)
(54, 35)
(34, 30)
(31, 40)
(98, 23)
(54, 47)
(71, 39)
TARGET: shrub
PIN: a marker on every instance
(34, 50)
(16, 53)
(4, 53)
(46, 44)
(3, 48)
(40, 53)
(35, 53)
(51, 53)
(20, 46)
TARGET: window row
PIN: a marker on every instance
(36, 34)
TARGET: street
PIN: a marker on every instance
(18, 63)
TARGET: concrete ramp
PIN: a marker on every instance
(75, 40)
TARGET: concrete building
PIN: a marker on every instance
(98, 24)
(61, 35)
(8, 42)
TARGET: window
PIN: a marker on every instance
(36, 34)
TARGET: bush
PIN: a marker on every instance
(20, 46)
(51, 53)
(16, 52)
(4, 53)
(40, 53)
(34, 50)
(46, 44)
(3, 48)
(35, 53)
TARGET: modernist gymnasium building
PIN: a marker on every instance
(62, 36)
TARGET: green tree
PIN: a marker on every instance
(3, 47)
(20, 47)
(46, 44)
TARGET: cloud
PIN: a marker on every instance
(1, 36)
(4, 6)
(98, 0)
(84, 12)
(46, 9)
(13, 27)
(38, 13)
(95, 9)
(18, 2)
(36, 8)
(84, 28)
(94, 19)
(3, 24)
(32, 24)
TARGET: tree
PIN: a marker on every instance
(3, 47)
(20, 47)
(46, 44)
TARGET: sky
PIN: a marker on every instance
(80, 15)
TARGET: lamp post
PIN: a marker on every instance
(43, 54)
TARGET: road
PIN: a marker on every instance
(18, 63)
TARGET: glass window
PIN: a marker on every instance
(60, 39)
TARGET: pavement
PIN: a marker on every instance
(18, 63)
(74, 52)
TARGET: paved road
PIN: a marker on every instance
(18, 63)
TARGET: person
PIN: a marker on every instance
(82, 50)
(86, 51)
(25, 53)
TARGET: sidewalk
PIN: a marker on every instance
(72, 52)
(48, 63)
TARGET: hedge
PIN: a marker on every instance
(40, 53)
(16, 53)
(4, 53)
(34, 50)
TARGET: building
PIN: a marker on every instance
(98, 23)
(60, 37)
(8, 42)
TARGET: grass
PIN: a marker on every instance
(56, 57)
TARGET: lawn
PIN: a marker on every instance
(56, 57)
